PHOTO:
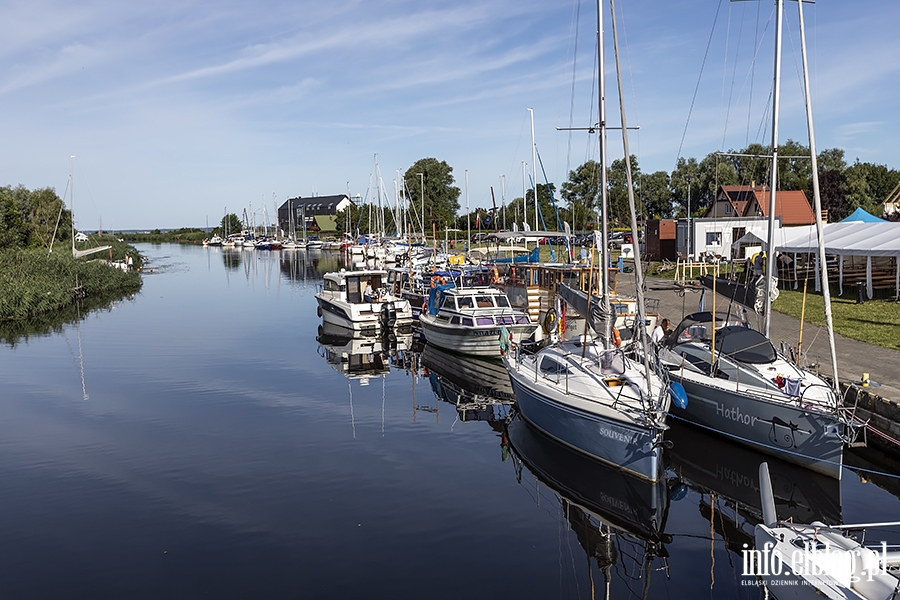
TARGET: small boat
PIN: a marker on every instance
(359, 300)
(215, 240)
(817, 560)
(749, 392)
(468, 320)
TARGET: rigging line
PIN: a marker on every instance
(697, 87)
(737, 51)
(576, 18)
(756, 42)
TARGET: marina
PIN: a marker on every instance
(243, 452)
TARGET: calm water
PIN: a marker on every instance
(197, 440)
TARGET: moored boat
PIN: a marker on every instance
(469, 320)
(358, 300)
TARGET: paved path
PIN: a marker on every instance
(854, 358)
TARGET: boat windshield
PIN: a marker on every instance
(744, 345)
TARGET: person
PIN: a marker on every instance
(367, 294)
(659, 334)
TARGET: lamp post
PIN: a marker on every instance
(690, 231)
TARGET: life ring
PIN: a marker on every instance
(424, 306)
(437, 279)
(617, 339)
(495, 275)
(550, 320)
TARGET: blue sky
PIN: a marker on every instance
(176, 110)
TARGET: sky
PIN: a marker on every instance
(178, 111)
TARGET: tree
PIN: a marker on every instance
(13, 231)
(229, 224)
(582, 193)
(547, 218)
(441, 196)
(656, 195)
(618, 189)
(44, 215)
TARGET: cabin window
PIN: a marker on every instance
(551, 367)
(502, 301)
(485, 320)
(447, 302)
(467, 321)
(523, 320)
(354, 294)
(484, 302)
(454, 320)
(332, 286)
(505, 320)
(465, 302)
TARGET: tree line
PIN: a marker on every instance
(28, 219)
(690, 186)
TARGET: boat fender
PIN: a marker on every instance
(617, 339)
(679, 396)
(319, 311)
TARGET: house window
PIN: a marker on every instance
(728, 209)
(713, 238)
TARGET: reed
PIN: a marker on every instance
(34, 283)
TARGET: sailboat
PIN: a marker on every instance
(588, 394)
(736, 382)
(75, 252)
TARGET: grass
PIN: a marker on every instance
(34, 283)
(875, 322)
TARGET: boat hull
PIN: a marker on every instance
(810, 438)
(630, 447)
(477, 341)
(366, 317)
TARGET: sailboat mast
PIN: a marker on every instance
(606, 334)
(817, 204)
(638, 271)
(534, 170)
(773, 183)
(72, 197)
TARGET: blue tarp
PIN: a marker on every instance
(860, 215)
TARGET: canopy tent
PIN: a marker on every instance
(749, 239)
(860, 215)
(851, 238)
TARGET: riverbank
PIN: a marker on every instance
(34, 282)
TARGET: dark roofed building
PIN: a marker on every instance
(294, 210)
(753, 201)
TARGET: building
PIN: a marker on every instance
(732, 201)
(317, 212)
(661, 239)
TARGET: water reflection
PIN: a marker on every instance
(358, 355)
(618, 519)
(19, 330)
(478, 388)
(726, 475)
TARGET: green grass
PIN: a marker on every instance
(874, 322)
(34, 283)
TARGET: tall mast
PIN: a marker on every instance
(638, 272)
(776, 103)
(817, 204)
(534, 170)
(72, 197)
(606, 334)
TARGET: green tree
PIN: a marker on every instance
(582, 193)
(618, 189)
(547, 218)
(13, 230)
(45, 213)
(656, 196)
(229, 224)
(441, 196)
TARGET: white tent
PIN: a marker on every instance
(852, 238)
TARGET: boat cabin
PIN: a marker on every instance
(353, 283)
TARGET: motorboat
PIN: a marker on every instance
(469, 320)
(817, 560)
(359, 300)
(738, 385)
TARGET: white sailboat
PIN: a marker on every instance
(737, 383)
(589, 395)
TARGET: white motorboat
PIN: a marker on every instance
(359, 300)
(818, 560)
(469, 320)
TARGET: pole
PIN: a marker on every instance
(468, 213)
(776, 100)
(534, 170)
(817, 204)
(422, 184)
(524, 198)
(690, 232)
